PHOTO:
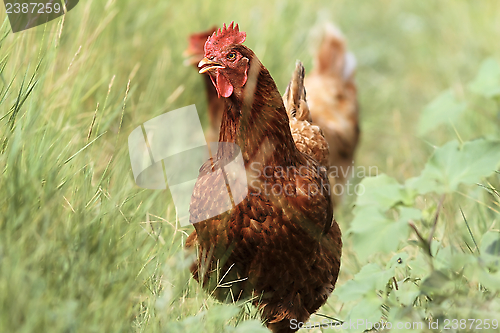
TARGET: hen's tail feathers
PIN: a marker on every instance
(333, 57)
(295, 95)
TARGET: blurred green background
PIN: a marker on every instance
(82, 249)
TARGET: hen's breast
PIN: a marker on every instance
(279, 242)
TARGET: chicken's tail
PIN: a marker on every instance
(333, 57)
(295, 95)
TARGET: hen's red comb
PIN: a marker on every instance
(224, 36)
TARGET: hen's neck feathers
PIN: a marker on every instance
(214, 102)
(262, 131)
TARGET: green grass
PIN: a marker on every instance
(83, 249)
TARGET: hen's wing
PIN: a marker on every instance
(308, 138)
(332, 100)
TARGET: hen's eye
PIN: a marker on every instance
(231, 56)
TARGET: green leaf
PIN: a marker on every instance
(489, 280)
(220, 314)
(367, 312)
(216, 317)
(448, 259)
(490, 243)
(421, 185)
(364, 286)
(189, 324)
(487, 276)
(487, 81)
(452, 165)
(369, 279)
(419, 266)
(380, 234)
(438, 282)
(381, 191)
(371, 229)
(407, 293)
(490, 249)
(251, 326)
(373, 233)
(443, 109)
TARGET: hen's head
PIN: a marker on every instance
(225, 60)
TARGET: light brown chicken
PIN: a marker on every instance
(332, 99)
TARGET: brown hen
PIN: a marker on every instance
(332, 100)
(281, 249)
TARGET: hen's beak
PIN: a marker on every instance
(205, 65)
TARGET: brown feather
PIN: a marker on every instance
(281, 250)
